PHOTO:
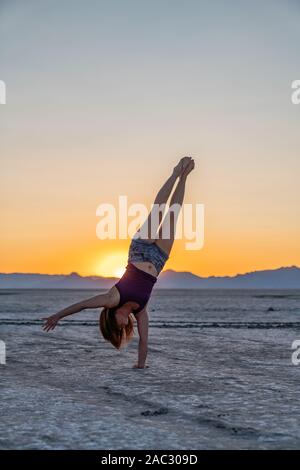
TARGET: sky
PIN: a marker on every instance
(104, 97)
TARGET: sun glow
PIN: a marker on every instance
(119, 272)
(112, 265)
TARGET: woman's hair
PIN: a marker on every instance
(110, 330)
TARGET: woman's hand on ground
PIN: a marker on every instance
(51, 322)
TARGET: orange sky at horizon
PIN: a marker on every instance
(54, 250)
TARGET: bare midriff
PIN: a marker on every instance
(146, 266)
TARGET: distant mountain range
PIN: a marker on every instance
(282, 278)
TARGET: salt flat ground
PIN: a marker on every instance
(220, 375)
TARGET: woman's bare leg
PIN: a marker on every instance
(150, 227)
(170, 220)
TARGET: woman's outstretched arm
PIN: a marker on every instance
(109, 299)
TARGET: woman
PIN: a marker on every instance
(129, 297)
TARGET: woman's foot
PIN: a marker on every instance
(188, 168)
(181, 165)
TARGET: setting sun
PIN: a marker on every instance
(119, 272)
(113, 264)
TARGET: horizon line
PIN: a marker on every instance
(165, 271)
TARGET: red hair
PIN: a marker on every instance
(110, 330)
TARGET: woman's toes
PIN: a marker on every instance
(182, 165)
(189, 167)
(185, 162)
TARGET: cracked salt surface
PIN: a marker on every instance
(206, 388)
